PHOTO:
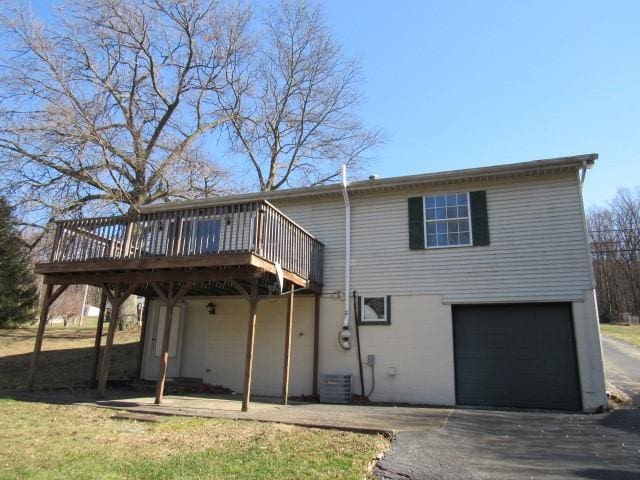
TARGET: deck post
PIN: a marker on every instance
(106, 356)
(116, 299)
(49, 297)
(93, 378)
(287, 348)
(170, 299)
(143, 335)
(164, 357)
(316, 340)
(251, 336)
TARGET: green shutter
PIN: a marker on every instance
(416, 223)
(479, 218)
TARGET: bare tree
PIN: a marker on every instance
(113, 103)
(615, 243)
(110, 104)
(293, 99)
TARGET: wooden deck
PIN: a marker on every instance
(207, 245)
(229, 249)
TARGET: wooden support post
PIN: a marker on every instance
(164, 356)
(143, 336)
(49, 297)
(93, 378)
(170, 299)
(115, 299)
(251, 336)
(106, 356)
(44, 313)
(287, 348)
(316, 340)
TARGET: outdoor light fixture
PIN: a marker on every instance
(211, 308)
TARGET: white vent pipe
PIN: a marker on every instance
(345, 333)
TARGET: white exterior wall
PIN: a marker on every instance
(538, 253)
(589, 350)
(538, 248)
(220, 341)
(418, 344)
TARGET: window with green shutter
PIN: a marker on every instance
(448, 220)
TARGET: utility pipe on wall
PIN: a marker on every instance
(345, 333)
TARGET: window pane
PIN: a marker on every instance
(207, 237)
(373, 308)
(441, 229)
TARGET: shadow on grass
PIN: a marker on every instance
(68, 368)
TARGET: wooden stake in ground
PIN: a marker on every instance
(50, 296)
(287, 348)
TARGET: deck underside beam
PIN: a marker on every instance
(193, 269)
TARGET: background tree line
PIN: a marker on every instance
(614, 234)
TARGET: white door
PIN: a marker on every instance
(194, 335)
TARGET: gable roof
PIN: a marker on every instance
(467, 175)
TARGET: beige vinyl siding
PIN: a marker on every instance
(537, 252)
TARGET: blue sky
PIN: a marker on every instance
(460, 84)
(468, 83)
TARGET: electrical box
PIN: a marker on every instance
(371, 360)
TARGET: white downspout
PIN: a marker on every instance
(345, 333)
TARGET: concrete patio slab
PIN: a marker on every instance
(375, 419)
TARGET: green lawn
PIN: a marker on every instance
(58, 442)
(44, 441)
(65, 361)
(630, 334)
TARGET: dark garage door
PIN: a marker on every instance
(516, 356)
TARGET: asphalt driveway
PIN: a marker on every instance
(622, 366)
(485, 444)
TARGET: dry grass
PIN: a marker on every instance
(628, 333)
(53, 441)
(65, 359)
(44, 441)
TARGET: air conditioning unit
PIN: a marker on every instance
(335, 388)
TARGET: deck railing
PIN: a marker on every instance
(254, 227)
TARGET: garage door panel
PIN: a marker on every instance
(516, 355)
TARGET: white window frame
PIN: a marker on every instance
(424, 226)
(384, 321)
